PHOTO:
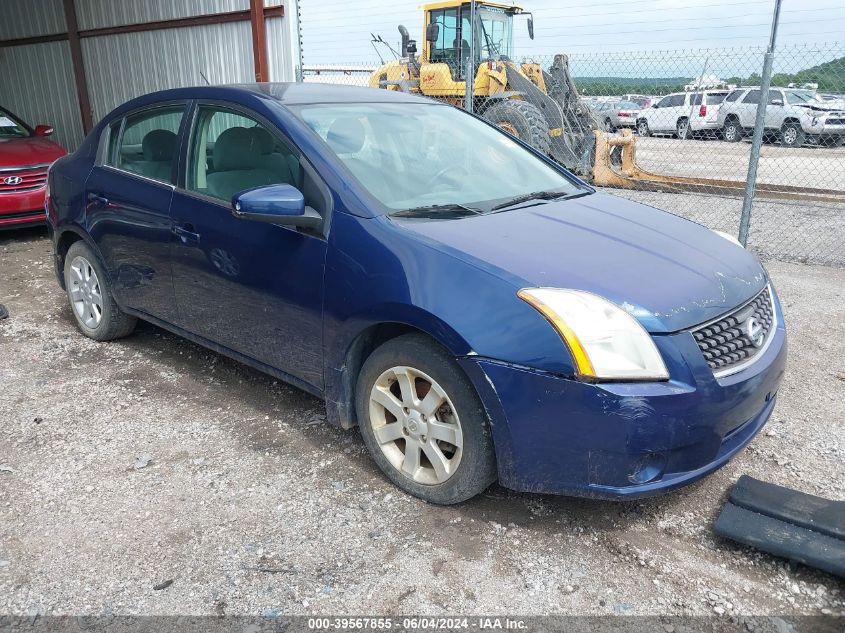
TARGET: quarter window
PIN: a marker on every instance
(148, 145)
(231, 152)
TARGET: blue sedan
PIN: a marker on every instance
(478, 312)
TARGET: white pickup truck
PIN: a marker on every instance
(793, 116)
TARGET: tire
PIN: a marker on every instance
(522, 120)
(91, 303)
(682, 129)
(467, 463)
(791, 135)
(642, 128)
(732, 131)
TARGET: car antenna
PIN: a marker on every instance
(207, 82)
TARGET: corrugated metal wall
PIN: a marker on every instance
(37, 81)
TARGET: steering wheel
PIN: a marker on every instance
(448, 173)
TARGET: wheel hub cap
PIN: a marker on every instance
(85, 294)
(416, 425)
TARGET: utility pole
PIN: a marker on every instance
(469, 63)
(759, 124)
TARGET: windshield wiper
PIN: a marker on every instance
(437, 211)
(537, 195)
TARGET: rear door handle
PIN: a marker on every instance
(95, 197)
(186, 233)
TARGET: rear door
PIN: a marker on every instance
(252, 287)
(128, 212)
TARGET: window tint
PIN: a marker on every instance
(753, 96)
(712, 98)
(676, 100)
(445, 48)
(664, 102)
(775, 95)
(148, 145)
(696, 98)
(10, 127)
(733, 96)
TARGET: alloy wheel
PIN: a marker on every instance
(85, 293)
(790, 135)
(416, 425)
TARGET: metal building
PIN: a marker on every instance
(69, 62)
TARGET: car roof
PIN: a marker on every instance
(285, 93)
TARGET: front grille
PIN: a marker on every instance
(28, 178)
(726, 343)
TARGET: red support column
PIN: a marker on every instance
(78, 66)
(259, 40)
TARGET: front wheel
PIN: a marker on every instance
(522, 120)
(791, 135)
(642, 128)
(423, 422)
(94, 309)
(732, 132)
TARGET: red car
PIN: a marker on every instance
(25, 156)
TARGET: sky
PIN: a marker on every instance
(616, 37)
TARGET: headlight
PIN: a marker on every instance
(728, 237)
(606, 342)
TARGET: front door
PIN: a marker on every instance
(128, 208)
(252, 287)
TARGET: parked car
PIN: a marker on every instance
(793, 116)
(615, 114)
(25, 156)
(476, 310)
(682, 114)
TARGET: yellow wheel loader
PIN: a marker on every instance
(540, 107)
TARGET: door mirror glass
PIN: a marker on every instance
(432, 32)
(43, 130)
(274, 204)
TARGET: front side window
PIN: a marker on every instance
(445, 49)
(148, 144)
(664, 102)
(676, 100)
(231, 152)
(11, 126)
(414, 155)
(733, 96)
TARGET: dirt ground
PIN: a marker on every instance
(128, 465)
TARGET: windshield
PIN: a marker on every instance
(412, 155)
(11, 127)
(799, 98)
(496, 27)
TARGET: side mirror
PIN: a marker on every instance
(432, 32)
(43, 130)
(778, 102)
(531, 26)
(275, 204)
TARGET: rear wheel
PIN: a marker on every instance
(91, 301)
(642, 128)
(732, 132)
(423, 422)
(682, 128)
(522, 120)
(791, 135)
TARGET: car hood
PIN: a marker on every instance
(16, 152)
(670, 273)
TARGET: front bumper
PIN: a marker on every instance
(25, 208)
(625, 440)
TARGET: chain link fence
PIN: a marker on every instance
(667, 128)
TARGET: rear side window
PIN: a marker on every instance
(696, 98)
(753, 96)
(148, 143)
(733, 96)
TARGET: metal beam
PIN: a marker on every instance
(259, 39)
(78, 66)
(277, 11)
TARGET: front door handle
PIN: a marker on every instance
(186, 233)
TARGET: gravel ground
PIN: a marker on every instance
(128, 465)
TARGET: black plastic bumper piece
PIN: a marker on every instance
(786, 523)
